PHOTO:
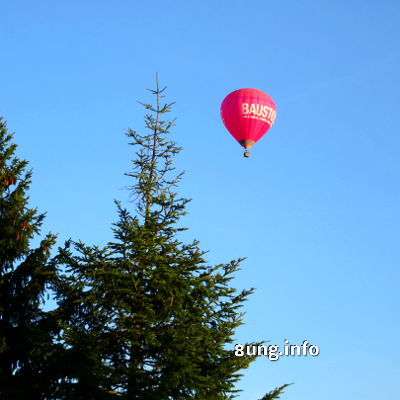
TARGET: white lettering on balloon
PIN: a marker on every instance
(258, 111)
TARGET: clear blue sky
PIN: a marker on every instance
(316, 207)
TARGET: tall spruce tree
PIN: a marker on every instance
(146, 316)
(26, 331)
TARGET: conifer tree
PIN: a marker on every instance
(26, 331)
(150, 318)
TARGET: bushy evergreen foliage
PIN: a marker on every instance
(161, 318)
(26, 345)
(144, 317)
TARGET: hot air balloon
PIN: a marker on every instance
(248, 114)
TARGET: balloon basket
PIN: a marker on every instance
(246, 154)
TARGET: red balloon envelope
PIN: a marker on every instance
(248, 114)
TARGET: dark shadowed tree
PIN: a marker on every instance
(27, 352)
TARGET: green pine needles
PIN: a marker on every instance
(144, 317)
(166, 316)
(26, 331)
(152, 167)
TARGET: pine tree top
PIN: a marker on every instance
(18, 222)
(152, 169)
